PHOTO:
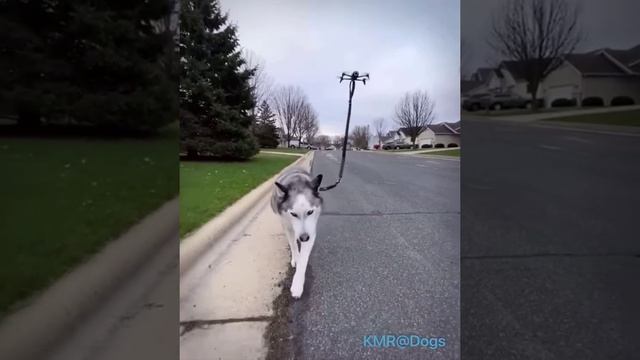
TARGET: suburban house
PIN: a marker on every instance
(436, 135)
(513, 73)
(604, 73)
(484, 80)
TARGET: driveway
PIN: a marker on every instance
(549, 243)
(386, 260)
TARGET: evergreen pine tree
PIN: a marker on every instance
(100, 63)
(215, 94)
(265, 129)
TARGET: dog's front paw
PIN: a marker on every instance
(296, 290)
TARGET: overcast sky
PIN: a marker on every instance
(404, 45)
(604, 23)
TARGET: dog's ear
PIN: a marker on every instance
(315, 183)
(282, 187)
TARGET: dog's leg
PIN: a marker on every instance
(293, 248)
(297, 285)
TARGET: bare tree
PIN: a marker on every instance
(337, 141)
(311, 127)
(260, 83)
(466, 58)
(414, 113)
(307, 124)
(288, 103)
(380, 129)
(360, 136)
(323, 141)
(536, 33)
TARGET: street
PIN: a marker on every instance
(386, 260)
(549, 243)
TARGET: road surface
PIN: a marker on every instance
(386, 260)
(549, 243)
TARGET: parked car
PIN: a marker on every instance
(497, 101)
(475, 102)
(312, 147)
(330, 147)
(507, 101)
(396, 146)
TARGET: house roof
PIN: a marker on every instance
(607, 62)
(516, 68)
(443, 128)
(482, 74)
(467, 85)
(591, 63)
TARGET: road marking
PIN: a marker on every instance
(480, 187)
(589, 131)
(428, 161)
(330, 156)
(550, 147)
(577, 139)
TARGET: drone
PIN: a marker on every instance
(354, 76)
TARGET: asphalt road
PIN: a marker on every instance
(551, 257)
(386, 260)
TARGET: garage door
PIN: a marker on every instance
(558, 92)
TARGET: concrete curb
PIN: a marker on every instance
(411, 152)
(32, 330)
(439, 157)
(196, 243)
(283, 153)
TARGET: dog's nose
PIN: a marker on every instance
(304, 237)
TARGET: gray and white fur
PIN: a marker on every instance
(297, 200)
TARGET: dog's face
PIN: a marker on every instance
(301, 206)
(303, 217)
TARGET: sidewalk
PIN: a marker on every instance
(226, 299)
(227, 294)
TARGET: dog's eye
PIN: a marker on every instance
(309, 212)
(294, 214)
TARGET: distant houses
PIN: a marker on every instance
(602, 77)
(438, 135)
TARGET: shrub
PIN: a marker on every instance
(439, 146)
(592, 101)
(452, 145)
(562, 102)
(622, 100)
(427, 146)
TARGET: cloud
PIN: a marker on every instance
(408, 46)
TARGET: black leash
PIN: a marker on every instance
(353, 77)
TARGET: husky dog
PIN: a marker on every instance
(296, 199)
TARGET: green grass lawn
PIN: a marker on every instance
(288, 150)
(207, 188)
(627, 118)
(63, 199)
(451, 152)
